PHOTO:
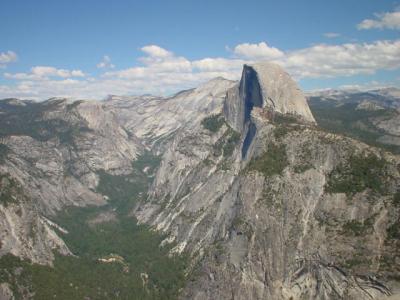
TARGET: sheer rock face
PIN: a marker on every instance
(25, 232)
(271, 236)
(268, 86)
(152, 118)
(250, 234)
(56, 164)
(280, 92)
(280, 236)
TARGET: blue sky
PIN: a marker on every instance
(94, 48)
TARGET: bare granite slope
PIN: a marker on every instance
(266, 204)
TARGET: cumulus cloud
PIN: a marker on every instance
(218, 64)
(257, 51)
(161, 71)
(158, 62)
(105, 63)
(7, 57)
(44, 72)
(156, 51)
(389, 20)
(342, 60)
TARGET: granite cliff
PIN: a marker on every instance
(263, 202)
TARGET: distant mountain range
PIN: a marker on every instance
(387, 97)
(371, 116)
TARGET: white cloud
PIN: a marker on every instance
(7, 57)
(331, 35)
(389, 20)
(157, 62)
(218, 64)
(44, 72)
(105, 63)
(163, 72)
(257, 51)
(156, 51)
(20, 76)
(77, 73)
(342, 60)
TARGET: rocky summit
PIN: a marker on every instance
(231, 190)
(267, 86)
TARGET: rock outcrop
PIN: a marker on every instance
(153, 119)
(266, 225)
(278, 234)
(52, 151)
(268, 86)
(265, 204)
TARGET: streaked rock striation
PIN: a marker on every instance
(268, 86)
(248, 187)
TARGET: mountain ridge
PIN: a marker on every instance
(263, 203)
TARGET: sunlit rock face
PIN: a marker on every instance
(247, 196)
(268, 86)
(54, 150)
(259, 222)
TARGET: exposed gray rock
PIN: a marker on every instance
(385, 97)
(280, 236)
(368, 105)
(155, 118)
(255, 234)
(268, 86)
(248, 201)
(389, 125)
(58, 171)
(5, 292)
